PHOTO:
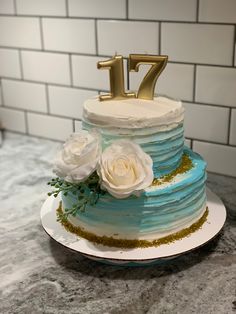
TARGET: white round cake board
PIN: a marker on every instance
(138, 256)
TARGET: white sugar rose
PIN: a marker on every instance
(125, 169)
(79, 156)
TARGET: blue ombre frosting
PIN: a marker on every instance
(160, 210)
(157, 126)
(165, 148)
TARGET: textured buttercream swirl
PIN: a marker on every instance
(133, 113)
(159, 211)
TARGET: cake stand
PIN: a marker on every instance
(138, 256)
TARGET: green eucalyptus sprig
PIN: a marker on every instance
(87, 192)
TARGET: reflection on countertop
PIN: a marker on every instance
(40, 276)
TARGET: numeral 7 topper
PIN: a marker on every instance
(116, 74)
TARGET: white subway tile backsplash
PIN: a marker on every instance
(24, 95)
(9, 63)
(216, 85)
(181, 10)
(127, 37)
(217, 11)
(78, 126)
(206, 122)
(202, 43)
(68, 102)
(175, 81)
(49, 126)
(7, 7)
(70, 35)
(102, 9)
(220, 158)
(22, 32)
(232, 138)
(41, 7)
(49, 51)
(13, 120)
(86, 74)
(46, 67)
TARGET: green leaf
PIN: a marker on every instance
(88, 193)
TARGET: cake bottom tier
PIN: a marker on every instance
(164, 209)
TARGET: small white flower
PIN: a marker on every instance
(125, 169)
(79, 156)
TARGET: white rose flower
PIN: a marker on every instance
(125, 169)
(79, 156)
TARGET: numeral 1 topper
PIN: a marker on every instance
(116, 74)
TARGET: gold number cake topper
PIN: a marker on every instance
(116, 74)
(147, 86)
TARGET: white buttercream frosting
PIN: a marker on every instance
(133, 112)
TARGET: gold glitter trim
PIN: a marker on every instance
(128, 243)
(185, 165)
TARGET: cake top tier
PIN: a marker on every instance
(133, 113)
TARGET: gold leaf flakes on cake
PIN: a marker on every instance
(128, 243)
(185, 165)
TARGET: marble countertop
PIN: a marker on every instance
(37, 275)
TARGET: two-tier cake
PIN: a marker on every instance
(127, 180)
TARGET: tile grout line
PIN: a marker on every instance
(15, 7)
(35, 136)
(206, 104)
(26, 121)
(127, 9)
(47, 98)
(108, 56)
(118, 19)
(40, 113)
(229, 126)
(212, 142)
(234, 48)
(21, 65)
(106, 90)
(191, 143)
(96, 37)
(71, 70)
(197, 12)
(194, 82)
(67, 8)
(2, 95)
(16, 132)
(51, 84)
(159, 39)
(41, 33)
(73, 125)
